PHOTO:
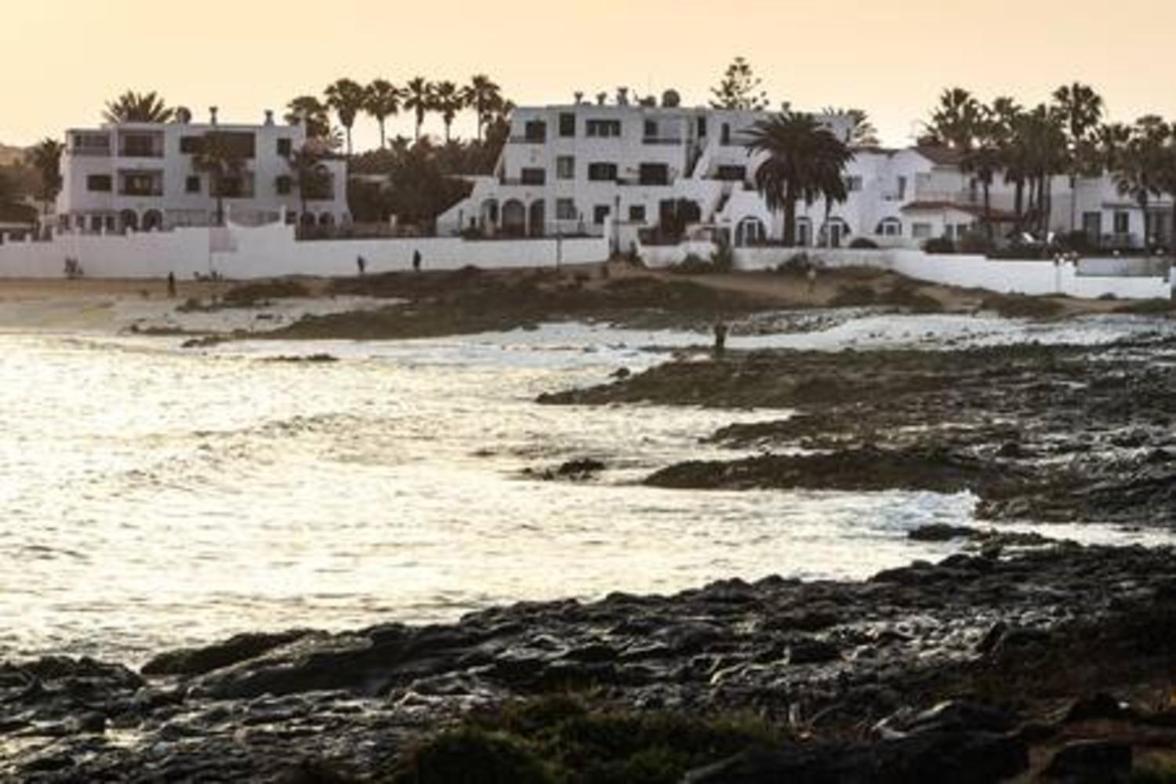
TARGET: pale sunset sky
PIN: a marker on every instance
(61, 60)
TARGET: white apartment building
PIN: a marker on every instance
(568, 169)
(141, 177)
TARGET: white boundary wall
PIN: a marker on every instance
(271, 251)
(1003, 276)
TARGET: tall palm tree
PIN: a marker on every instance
(381, 101)
(418, 99)
(861, 132)
(484, 97)
(45, 158)
(138, 107)
(1166, 182)
(448, 100)
(985, 156)
(1137, 164)
(314, 112)
(222, 161)
(804, 162)
(955, 120)
(347, 98)
(1081, 110)
(1009, 116)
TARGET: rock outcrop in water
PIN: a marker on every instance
(1039, 433)
(840, 670)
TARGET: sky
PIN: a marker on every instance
(61, 60)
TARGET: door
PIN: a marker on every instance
(1092, 226)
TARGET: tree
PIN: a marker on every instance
(1166, 182)
(861, 131)
(485, 98)
(45, 158)
(739, 89)
(1008, 114)
(1138, 164)
(418, 99)
(138, 107)
(955, 120)
(224, 163)
(381, 101)
(314, 113)
(448, 101)
(984, 157)
(347, 98)
(1080, 109)
(804, 161)
(309, 174)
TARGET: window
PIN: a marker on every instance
(725, 137)
(190, 145)
(565, 209)
(535, 131)
(565, 167)
(567, 124)
(533, 176)
(192, 185)
(701, 126)
(654, 174)
(600, 213)
(637, 213)
(889, 227)
(284, 185)
(902, 186)
(142, 184)
(100, 183)
(604, 128)
(1122, 222)
(921, 231)
(731, 173)
(602, 172)
(285, 147)
(141, 145)
(651, 129)
(853, 183)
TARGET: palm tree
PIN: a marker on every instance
(418, 99)
(1166, 182)
(448, 100)
(485, 98)
(222, 161)
(45, 158)
(804, 161)
(312, 111)
(309, 173)
(347, 98)
(1137, 164)
(955, 120)
(381, 101)
(984, 157)
(1081, 109)
(1009, 116)
(861, 131)
(138, 107)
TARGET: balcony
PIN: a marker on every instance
(662, 140)
(528, 140)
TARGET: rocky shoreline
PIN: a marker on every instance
(840, 672)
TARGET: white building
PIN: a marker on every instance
(141, 177)
(566, 169)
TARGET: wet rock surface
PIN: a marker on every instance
(1038, 433)
(854, 669)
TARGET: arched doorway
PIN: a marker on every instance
(804, 232)
(326, 219)
(152, 220)
(129, 219)
(538, 218)
(489, 214)
(514, 218)
(750, 231)
(889, 227)
(834, 233)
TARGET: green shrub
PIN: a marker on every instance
(976, 243)
(939, 245)
(693, 264)
(863, 243)
(723, 259)
(796, 264)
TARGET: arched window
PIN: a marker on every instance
(750, 231)
(889, 227)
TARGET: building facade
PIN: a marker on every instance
(143, 177)
(572, 169)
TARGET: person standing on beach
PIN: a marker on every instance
(720, 337)
(361, 265)
(171, 285)
(812, 279)
(416, 260)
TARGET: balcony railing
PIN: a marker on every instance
(90, 152)
(528, 140)
(131, 191)
(666, 140)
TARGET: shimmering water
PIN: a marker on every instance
(153, 497)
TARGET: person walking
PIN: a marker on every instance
(812, 279)
(361, 265)
(171, 285)
(416, 260)
(720, 330)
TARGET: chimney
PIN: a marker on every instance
(212, 115)
(579, 97)
(269, 116)
(601, 98)
(622, 96)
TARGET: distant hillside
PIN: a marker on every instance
(10, 155)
